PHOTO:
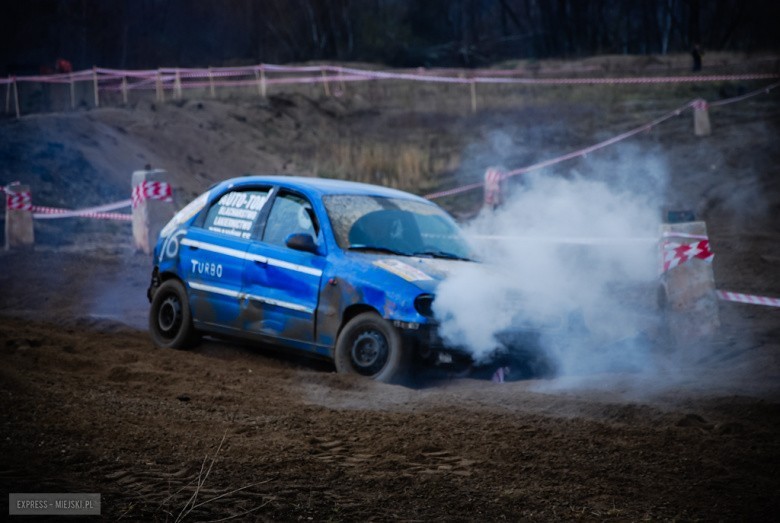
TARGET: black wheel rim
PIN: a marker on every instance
(369, 351)
(169, 316)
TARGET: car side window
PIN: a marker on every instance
(290, 214)
(236, 213)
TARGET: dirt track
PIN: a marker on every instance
(89, 405)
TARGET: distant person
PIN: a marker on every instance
(696, 54)
(63, 66)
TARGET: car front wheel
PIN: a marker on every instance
(170, 319)
(370, 346)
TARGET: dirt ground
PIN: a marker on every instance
(87, 404)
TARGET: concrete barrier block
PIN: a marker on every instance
(687, 293)
(151, 209)
(19, 230)
(701, 119)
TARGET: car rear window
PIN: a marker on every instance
(236, 213)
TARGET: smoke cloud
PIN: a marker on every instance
(571, 256)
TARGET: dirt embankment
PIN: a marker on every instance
(88, 405)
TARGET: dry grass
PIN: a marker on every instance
(392, 163)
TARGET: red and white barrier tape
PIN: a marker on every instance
(99, 212)
(427, 77)
(149, 78)
(52, 213)
(417, 73)
(748, 298)
(751, 94)
(569, 240)
(152, 191)
(21, 201)
(675, 254)
(584, 152)
(569, 156)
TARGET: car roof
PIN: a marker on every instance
(324, 186)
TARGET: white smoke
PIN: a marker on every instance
(564, 251)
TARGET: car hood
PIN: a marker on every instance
(423, 272)
(412, 267)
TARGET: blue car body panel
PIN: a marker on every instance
(241, 286)
(214, 278)
(283, 287)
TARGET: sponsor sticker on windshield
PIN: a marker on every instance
(404, 270)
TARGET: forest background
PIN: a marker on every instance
(142, 34)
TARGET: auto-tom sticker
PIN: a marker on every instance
(237, 213)
(404, 270)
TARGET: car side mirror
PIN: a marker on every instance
(302, 242)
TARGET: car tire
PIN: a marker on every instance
(170, 318)
(370, 346)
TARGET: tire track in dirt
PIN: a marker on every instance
(428, 462)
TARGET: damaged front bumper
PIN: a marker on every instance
(429, 349)
(521, 350)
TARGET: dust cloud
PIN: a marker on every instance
(572, 256)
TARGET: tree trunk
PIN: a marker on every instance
(665, 24)
(694, 29)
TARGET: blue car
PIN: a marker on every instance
(340, 270)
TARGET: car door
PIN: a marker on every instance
(282, 284)
(213, 255)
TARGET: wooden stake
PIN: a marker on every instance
(177, 85)
(701, 118)
(473, 96)
(16, 99)
(8, 96)
(261, 88)
(72, 92)
(124, 90)
(211, 84)
(325, 83)
(159, 87)
(95, 85)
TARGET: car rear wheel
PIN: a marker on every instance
(170, 319)
(370, 346)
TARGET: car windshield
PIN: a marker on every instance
(394, 226)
